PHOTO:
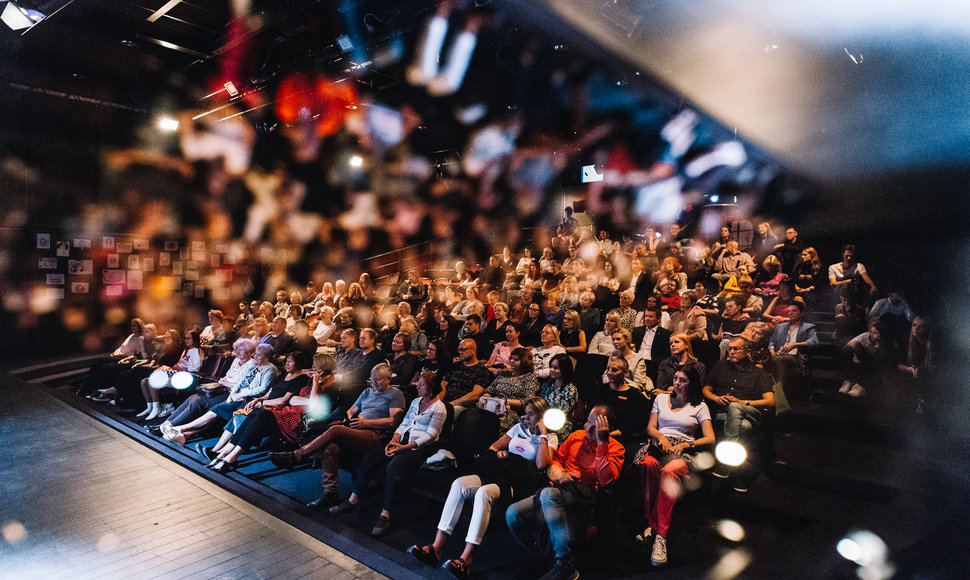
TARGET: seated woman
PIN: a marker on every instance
(549, 346)
(671, 270)
(515, 471)
(806, 272)
(777, 310)
(413, 442)
(191, 361)
(560, 391)
(376, 412)
(105, 372)
(263, 415)
(121, 368)
(128, 389)
(689, 318)
(404, 365)
(501, 357)
(513, 388)
(681, 357)
(602, 342)
(636, 366)
(573, 338)
(255, 382)
(679, 422)
(766, 279)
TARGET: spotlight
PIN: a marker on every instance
(715, 198)
(182, 380)
(554, 419)
(730, 453)
(158, 379)
(19, 18)
(869, 552)
(168, 124)
(356, 161)
(231, 89)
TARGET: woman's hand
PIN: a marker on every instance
(679, 448)
(502, 454)
(392, 448)
(664, 443)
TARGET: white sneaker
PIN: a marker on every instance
(846, 385)
(658, 557)
(167, 409)
(153, 414)
(174, 435)
(857, 390)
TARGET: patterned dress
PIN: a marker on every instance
(565, 400)
(506, 387)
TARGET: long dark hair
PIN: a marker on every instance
(694, 393)
(565, 367)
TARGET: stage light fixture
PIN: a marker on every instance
(18, 18)
(231, 89)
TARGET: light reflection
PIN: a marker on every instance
(13, 532)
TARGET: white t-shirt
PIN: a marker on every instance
(838, 272)
(525, 444)
(683, 423)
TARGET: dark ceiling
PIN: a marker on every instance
(870, 100)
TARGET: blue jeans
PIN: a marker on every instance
(521, 518)
(740, 420)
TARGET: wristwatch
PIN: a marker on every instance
(747, 403)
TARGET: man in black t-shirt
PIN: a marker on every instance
(740, 389)
(466, 381)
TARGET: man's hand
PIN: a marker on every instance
(602, 429)
(359, 423)
(565, 477)
(785, 348)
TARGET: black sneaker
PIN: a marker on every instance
(206, 452)
(325, 501)
(284, 459)
(563, 570)
(155, 430)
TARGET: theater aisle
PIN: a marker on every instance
(82, 500)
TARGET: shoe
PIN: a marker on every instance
(381, 526)
(174, 435)
(207, 453)
(284, 459)
(457, 568)
(143, 413)
(857, 390)
(424, 555)
(563, 570)
(741, 486)
(324, 501)
(167, 409)
(102, 398)
(720, 473)
(343, 507)
(658, 557)
(846, 385)
(155, 430)
(645, 537)
(223, 467)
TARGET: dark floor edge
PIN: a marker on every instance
(341, 538)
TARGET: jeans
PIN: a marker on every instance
(740, 420)
(521, 518)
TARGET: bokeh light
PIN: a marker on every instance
(730, 453)
(554, 419)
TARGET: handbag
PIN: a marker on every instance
(211, 390)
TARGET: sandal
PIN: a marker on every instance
(424, 555)
(457, 568)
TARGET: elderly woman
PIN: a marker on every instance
(514, 469)
(255, 382)
(514, 388)
(191, 361)
(265, 414)
(413, 442)
(375, 413)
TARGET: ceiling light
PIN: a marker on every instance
(19, 18)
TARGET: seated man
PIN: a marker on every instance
(789, 344)
(377, 412)
(730, 261)
(473, 331)
(588, 460)
(467, 379)
(742, 392)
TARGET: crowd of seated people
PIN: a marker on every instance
(658, 364)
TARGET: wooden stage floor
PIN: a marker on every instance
(81, 500)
